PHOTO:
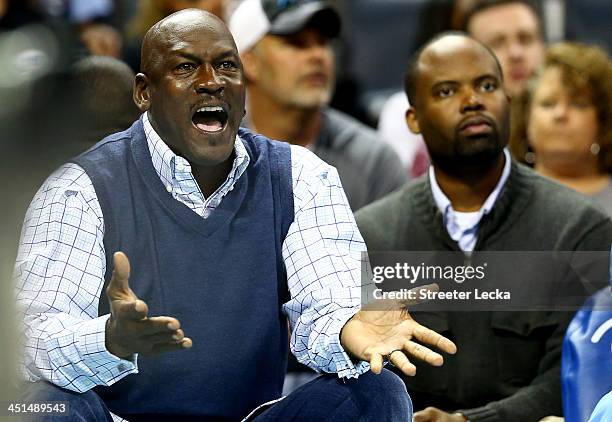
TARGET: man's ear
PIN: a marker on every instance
(141, 92)
(412, 122)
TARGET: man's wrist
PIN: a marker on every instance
(353, 359)
(111, 346)
(344, 363)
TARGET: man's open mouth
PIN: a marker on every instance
(210, 118)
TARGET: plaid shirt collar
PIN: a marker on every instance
(175, 171)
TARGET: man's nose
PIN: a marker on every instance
(515, 50)
(318, 49)
(208, 81)
(471, 102)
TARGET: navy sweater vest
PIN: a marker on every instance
(223, 277)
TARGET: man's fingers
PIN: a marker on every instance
(376, 362)
(134, 310)
(185, 343)
(166, 336)
(400, 361)
(427, 336)
(137, 324)
(118, 287)
(162, 323)
(157, 325)
(423, 353)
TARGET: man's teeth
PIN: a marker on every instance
(210, 109)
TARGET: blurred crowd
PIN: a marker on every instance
(45, 45)
(68, 68)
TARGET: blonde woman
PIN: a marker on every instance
(570, 119)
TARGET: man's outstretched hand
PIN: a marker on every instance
(385, 329)
(129, 330)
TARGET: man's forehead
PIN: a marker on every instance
(508, 18)
(456, 57)
(190, 26)
(507, 11)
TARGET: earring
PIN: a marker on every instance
(595, 148)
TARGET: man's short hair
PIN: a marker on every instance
(104, 96)
(412, 70)
(480, 5)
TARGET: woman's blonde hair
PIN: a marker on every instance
(585, 69)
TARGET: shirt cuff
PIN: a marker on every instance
(91, 344)
(345, 367)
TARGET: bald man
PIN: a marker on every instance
(205, 238)
(476, 198)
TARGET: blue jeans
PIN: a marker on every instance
(376, 398)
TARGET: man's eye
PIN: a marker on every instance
(497, 43)
(185, 67)
(445, 92)
(526, 39)
(488, 86)
(228, 65)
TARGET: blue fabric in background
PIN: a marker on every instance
(586, 368)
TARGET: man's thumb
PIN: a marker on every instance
(119, 282)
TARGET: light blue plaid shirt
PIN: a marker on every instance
(61, 264)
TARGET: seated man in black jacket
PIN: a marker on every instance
(474, 200)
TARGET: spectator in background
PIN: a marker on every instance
(476, 198)
(101, 39)
(570, 119)
(88, 20)
(513, 30)
(151, 11)
(105, 104)
(91, 18)
(289, 67)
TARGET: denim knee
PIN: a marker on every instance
(87, 406)
(382, 397)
